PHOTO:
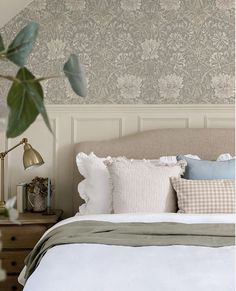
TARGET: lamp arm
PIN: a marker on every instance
(3, 154)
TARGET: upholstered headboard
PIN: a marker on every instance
(205, 142)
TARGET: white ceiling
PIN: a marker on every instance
(10, 8)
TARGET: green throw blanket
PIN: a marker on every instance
(133, 234)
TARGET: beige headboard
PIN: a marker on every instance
(206, 143)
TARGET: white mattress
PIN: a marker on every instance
(96, 267)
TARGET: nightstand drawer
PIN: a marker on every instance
(10, 284)
(13, 262)
(21, 237)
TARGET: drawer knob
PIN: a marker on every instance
(13, 263)
(14, 287)
(13, 238)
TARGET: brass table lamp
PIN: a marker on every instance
(31, 158)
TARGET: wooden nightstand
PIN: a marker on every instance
(18, 241)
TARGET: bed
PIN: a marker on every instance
(140, 251)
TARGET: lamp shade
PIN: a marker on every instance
(31, 157)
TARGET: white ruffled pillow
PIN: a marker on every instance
(95, 189)
(225, 157)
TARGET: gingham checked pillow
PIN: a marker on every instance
(205, 196)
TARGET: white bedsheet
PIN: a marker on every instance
(90, 267)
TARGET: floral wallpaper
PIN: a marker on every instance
(135, 51)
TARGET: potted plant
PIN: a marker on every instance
(37, 191)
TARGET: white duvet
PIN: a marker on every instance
(95, 267)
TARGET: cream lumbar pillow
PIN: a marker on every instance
(205, 196)
(141, 186)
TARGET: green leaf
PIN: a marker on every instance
(2, 48)
(25, 101)
(23, 43)
(76, 76)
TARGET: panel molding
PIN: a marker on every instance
(100, 121)
(161, 122)
(96, 120)
(219, 121)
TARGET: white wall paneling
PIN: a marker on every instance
(75, 123)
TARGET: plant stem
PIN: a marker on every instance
(48, 78)
(43, 79)
(9, 78)
(13, 79)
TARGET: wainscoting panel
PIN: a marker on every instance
(219, 122)
(92, 128)
(148, 123)
(75, 123)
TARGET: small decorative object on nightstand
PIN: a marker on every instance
(19, 240)
(37, 193)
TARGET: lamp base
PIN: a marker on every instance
(2, 207)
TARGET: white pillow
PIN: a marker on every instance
(95, 189)
(142, 187)
(225, 157)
